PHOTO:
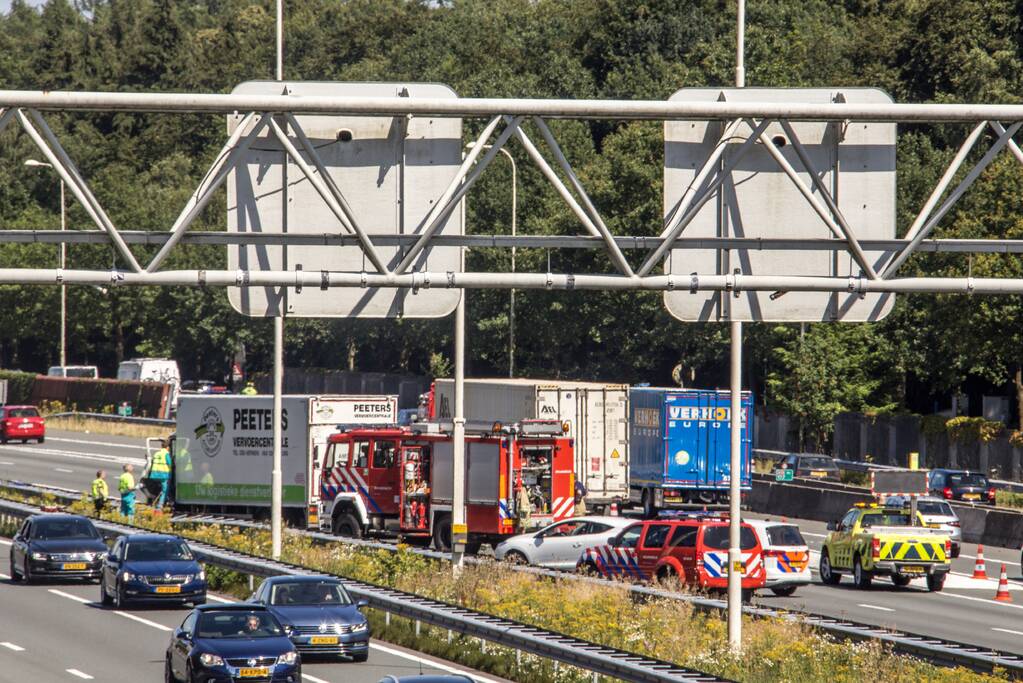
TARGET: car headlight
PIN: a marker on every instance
(358, 628)
(288, 658)
(201, 575)
(208, 659)
(39, 556)
(128, 576)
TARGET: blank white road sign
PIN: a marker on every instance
(391, 171)
(856, 160)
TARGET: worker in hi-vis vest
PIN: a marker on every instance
(160, 471)
(126, 487)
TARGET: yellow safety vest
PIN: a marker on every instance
(99, 489)
(126, 483)
(161, 462)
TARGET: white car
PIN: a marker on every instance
(786, 555)
(937, 513)
(559, 545)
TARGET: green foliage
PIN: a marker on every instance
(973, 429)
(19, 385)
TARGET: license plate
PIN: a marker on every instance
(323, 640)
(168, 589)
(913, 569)
(971, 496)
(256, 672)
(818, 473)
(71, 566)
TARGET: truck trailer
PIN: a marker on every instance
(596, 415)
(680, 448)
(222, 450)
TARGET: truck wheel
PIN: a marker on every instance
(442, 534)
(346, 524)
(472, 547)
(901, 581)
(861, 576)
(649, 509)
(747, 595)
(828, 575)
(935, 582)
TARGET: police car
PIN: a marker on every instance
(786, 555)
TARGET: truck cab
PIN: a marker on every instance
(399, 480)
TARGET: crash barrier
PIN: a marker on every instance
(599, 659)
(934, 650)
(124, 419)
(147, 399)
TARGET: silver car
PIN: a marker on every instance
(937, 513)
(559, 545)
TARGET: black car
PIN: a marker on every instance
(971, 487)
(57, 546)
(231, 642)
(811, 466)
(151, 568)
(317, 614)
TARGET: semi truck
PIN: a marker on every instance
(596, 415)
(399, 481)
(222, 450)
(680, 448)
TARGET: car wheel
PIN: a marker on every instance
(168, 673)
(360, 657)
(41, 439)
(189, 676)
(784, 591)
(828, 575)
(347, 525)
(26, 573)
(515, 557)
(15, 574)
(104, 597)
(861, 576)
(196, 603)
(3, 438)
(667, 577)
(118, 596)
(901, 581)
(935, 582)
(955, 551)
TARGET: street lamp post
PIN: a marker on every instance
(514, 217)
(63, 264)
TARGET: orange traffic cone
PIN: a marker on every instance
(1003, 588)
(614, 508)
(979, 570)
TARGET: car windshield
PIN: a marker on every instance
(80, 372)
(884, 519)
(158, 551)
(308, 593)
(716, 537)
(784, 534)
(978, 480)
(934, 507)
(238, 624)
(54, 529)
(817, 463)
(22, 412)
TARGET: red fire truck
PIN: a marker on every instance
(398, 480)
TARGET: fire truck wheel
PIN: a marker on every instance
(473, 547)
(347, 525)
(442, 534)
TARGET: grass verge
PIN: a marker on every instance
(94, 426)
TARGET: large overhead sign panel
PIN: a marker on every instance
(753, 178)
(381, 176)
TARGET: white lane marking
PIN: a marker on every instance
(987, 600)
(79, 674)
(807, 533)
(143, 621)
(4, 462)
(18, 648)
(84, 601)
(877, 607)
(64, 469)
(216, 598)
(80, 442)
(78, 455)
(431, 663)
(4, 576)
(6, 542)
(1007, 630)
(314, 679)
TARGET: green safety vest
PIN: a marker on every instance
(161, 462)
(126, 483)
(99, 489)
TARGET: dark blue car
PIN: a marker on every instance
(318, 614)
(57, 546)
(151, 568)
(228, 643)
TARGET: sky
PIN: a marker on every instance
(5, 5)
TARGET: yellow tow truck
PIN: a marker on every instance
(871, 540)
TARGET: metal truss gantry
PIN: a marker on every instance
(743, 121)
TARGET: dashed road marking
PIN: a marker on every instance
(5, 462)
(1007, 630)
(79, 674)
(87, 442)
(147, 622)
(877, 607)
(314, 679)
(64, 469)
(69, 596)
(12, 646)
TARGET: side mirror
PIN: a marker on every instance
(362, 603)
(112, 558)
(614, 542)
(182, 634)
(832, 526)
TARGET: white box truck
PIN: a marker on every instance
(222, 450)
(596, 414)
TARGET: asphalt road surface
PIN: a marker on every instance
(58, 631)
(964, 611)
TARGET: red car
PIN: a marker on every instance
(21, 423)
(692, 549)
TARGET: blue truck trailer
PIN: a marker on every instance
(680, 447)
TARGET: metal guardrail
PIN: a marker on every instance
(935, 650)
(599, 659)
(107, 417)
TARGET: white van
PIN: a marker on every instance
(153, 370)
(87, 371)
